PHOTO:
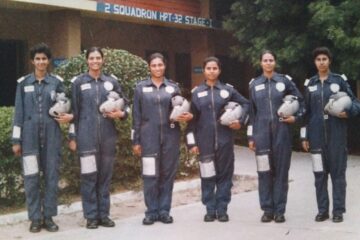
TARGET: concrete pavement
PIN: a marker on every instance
(244, 212)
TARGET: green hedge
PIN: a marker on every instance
(128, 69)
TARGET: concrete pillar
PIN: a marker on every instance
(202, 46)
(65, 33)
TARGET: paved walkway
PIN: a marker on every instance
(244, 212)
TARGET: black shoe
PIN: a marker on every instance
(338, 218)
(50, 225)
(320, 217)
(267, 217)
(92, 224)
(148, 220)
(279, 218)
(223, 217)
(35, 226)
(166, 219)
(209, 217)
(106, 222)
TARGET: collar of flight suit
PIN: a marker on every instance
(149, 82)
(89, 78)
(218, 85)
(275, 77)
(32, 78)
(328, 80)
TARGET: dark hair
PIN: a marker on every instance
(212, 59)
(40, 48)
(94, 49)
(269, 52)
(321, 50)
(156, 55)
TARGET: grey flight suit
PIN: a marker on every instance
(40, 138)
(327, 136)
(96, 138)
(160, 143)
(215, 142)
(272, 138)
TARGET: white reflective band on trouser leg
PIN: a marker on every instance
(16, 132)
(303, 132)
(132, 134)
(88, 164)
(317, 163)
(262, 162)
(190, 138)
(72, 128)
(30, 164)
(249, 130)
(207, 169)
(149, 166)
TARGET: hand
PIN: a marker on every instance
(115, 114)
(72, 145)
(137, 150)
(290, 119)
(185, 117)
(236, 125)
(305, 145)
(16, 148)
(195, 150)
(64, 117)
(252, 146)
(343, 115)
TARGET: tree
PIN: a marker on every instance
(292, 29)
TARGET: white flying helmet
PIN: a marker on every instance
(232, 112)
(180, 105)
(338, 103)
(61, 105)
(114, 102)
(289, 107)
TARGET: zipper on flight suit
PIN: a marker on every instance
(160, 114)
(322, 105)
(214, 115)
(98, 113)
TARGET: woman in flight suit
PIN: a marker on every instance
(325, 136)
(270, 136)
(157, 140)
(37, 138)
(94, 136)
(212, 141)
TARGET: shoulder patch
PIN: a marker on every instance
(288, 77)
(73, 79)
(112, 75)
(58, 77)
(251, 81)
(306, 83)
(21, 79)
(343, 76)
(228, 84)
(193, 90)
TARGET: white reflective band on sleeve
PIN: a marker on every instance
(149, 166)
(207, 169)
(88, 164)
(317, 163)
(30, 165)
(249, 130)
(16, 132)
(262, 162)
(132, 134)
(72, 128)
(303, 132)
(190, 138)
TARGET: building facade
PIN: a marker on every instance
(185, 31)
